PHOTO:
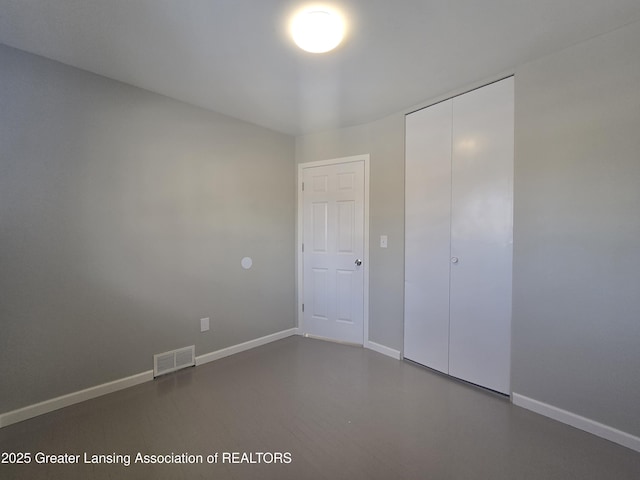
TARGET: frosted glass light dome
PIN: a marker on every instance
(317, 30)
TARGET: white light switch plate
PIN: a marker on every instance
(204, 324)
(383, 241)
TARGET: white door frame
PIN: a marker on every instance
(300, 231)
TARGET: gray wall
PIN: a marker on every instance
(576, 309)
(123, 219)
(384, 141)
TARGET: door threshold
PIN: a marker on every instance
(333, 340)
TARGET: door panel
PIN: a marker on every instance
(344, 284)
(482, 236)
(320, 285)
(427, 236)
(319, 214)
(345, 230)
(333, 226)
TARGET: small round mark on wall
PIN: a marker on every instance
(246, 263)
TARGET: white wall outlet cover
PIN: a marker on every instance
(246, 263)
(383, 241)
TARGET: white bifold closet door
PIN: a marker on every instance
(428, 236)
(459, 236)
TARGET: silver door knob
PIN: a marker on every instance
(454, 259)
(358, 262)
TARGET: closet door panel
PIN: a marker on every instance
(482, 236)
(427, 235)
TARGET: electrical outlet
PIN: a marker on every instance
(204, 324)
(383, 241)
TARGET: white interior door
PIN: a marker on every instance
(482, 236)
(333, 256)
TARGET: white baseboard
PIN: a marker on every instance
(225, 352)
(389, 352)
(577, 421)
(47, 406)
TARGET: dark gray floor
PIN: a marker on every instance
(341, 411)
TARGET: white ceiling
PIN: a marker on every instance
(235, 56)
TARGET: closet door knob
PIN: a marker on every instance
(358, 262)
(454, 259)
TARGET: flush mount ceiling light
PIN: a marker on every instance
(317, 29)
